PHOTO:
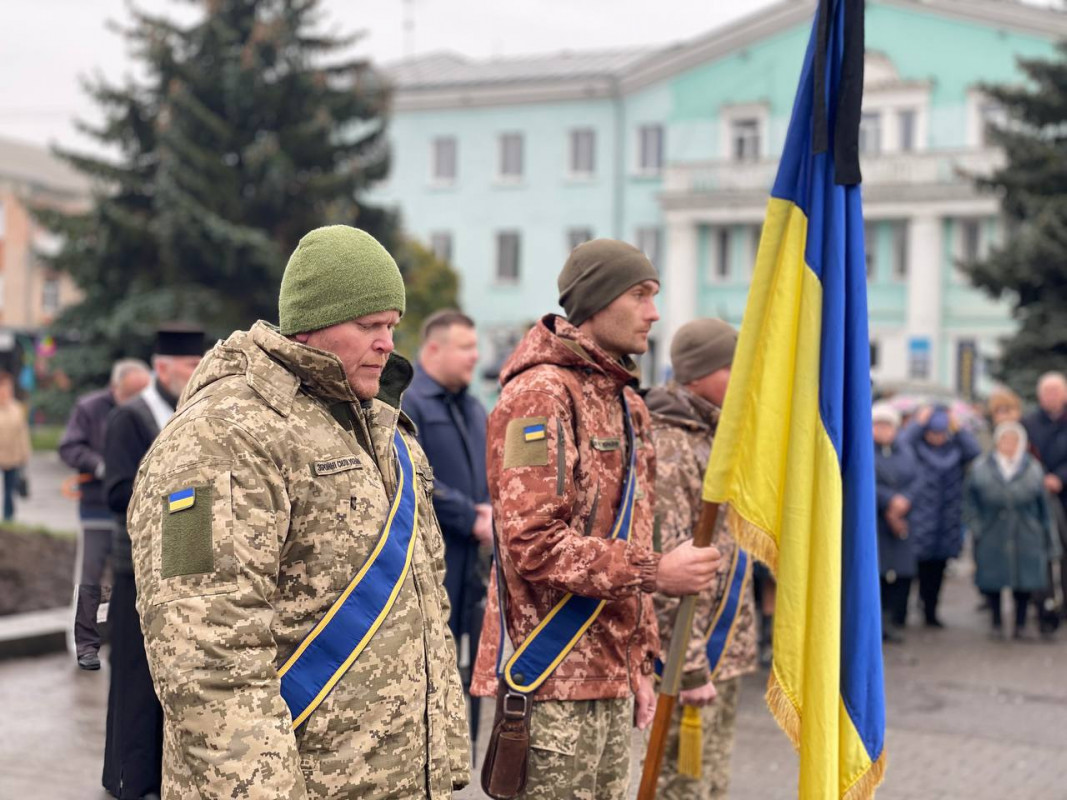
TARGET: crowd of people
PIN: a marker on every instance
(938, 487)
(323, 556)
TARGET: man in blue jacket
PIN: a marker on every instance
(451, 429)
(82, 449)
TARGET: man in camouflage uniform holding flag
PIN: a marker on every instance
(557, 459)
(253, 513)
(685, 414)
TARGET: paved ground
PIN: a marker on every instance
(968, 718)
(46, 504)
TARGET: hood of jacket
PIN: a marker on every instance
(276, 368)
(554, 341)
(673, 404)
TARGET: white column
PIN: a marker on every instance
(924, 287)
(680, 279)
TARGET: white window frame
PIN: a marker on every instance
(900, 266)
(903, 114)
(870, 247)
(977, 117)
(578, 236)
(732, 115)
(649, 240)
(441, 243)
(871, 138)
(575, 136)
(502, 237)
(650, 167)
(51, 294)
(503, 140)
(436, 178)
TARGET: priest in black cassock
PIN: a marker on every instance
(134, 746)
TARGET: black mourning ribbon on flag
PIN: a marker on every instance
(849, 99)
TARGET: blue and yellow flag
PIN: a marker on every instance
(793, 455)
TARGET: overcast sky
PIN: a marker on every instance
(45, 45)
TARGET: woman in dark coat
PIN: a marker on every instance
(1007, 511)
(935, 525)
(895, 475)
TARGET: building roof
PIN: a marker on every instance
(443, 80)
(444, 69)
(36, 167)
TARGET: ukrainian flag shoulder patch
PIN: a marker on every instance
(181, 499)
(533, 433)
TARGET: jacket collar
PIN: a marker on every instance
(674, 404)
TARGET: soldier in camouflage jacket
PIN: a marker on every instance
(296, 473)
(684, 419)
(555, 499)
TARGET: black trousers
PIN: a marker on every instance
(133, 748)
(1022, 603)
(895, 600)
(931, 575)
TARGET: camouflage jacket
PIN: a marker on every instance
(554, 503)
(294, 479)
(683, 426)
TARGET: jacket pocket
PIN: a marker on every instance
(556, 724)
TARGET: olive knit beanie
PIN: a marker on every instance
(702, 347)
(337, 273)
(596, 273)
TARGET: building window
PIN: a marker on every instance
(441, 244)
(50, 295)
(970, 240)
(906, 120)
(577, 236)
(990, 117)
(723, 248)
(511, 156)
(870, 133)
(507, 257)
(650, 148)
(874, 354)
(870, 248)
(900, 250)
(583, 152)
(745, 139)
(650, 242)
(444, 159)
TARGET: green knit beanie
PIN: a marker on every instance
(596, 273)
(337, 273)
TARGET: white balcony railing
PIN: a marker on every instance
(935, 167)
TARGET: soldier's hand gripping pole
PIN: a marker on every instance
(707, 527)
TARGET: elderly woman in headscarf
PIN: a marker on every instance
(1007, 511)
(935, 525)
(895, 476)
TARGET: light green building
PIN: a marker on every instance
(503, 165)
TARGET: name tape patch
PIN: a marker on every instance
(181, 500)
(335, 465)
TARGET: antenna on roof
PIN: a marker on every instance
(409, 28)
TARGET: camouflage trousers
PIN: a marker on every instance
(718, 722)
(580, 750)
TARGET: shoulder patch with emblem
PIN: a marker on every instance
(187, 532)
(526, 442)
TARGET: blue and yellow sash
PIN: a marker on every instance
(557, 634)
(721, 631)
(344, 632)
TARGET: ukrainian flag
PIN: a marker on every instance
(793, 455)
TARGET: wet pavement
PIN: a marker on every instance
(969, 718)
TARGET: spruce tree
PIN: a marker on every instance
(247, 128)
(1031, 267)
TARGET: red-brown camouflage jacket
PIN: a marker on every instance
(554, 504)
(683, 426)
